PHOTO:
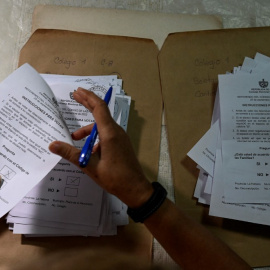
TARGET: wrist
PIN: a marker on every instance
(150, 206)
(140, 195)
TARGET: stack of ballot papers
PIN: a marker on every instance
(234, 155)
(44, 194)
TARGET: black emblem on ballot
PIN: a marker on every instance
(263, 83)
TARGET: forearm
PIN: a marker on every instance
(114, 166)
(189, 243)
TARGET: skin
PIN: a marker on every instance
(187, 242)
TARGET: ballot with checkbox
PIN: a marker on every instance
(73, 180)
(71, 192)
(7, 173)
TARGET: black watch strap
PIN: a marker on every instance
(151, 206)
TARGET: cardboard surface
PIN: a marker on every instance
(16, 250)
(189, 65)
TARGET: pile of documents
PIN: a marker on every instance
(44, 194)
(233, 155)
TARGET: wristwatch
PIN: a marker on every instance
(151, 206)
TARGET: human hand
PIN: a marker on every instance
(113, 164)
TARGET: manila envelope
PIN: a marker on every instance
(135, 61)
(189, 67)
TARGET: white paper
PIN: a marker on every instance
(245, 121)
(29, 121)
(199, 193)
(203, 153)
(246, 172)
(255, 213)
(66, 194)
(240, 186)
(66, 201)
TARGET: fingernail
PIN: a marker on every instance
(80, 92)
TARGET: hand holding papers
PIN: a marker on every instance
(239, 141)
(60, 199)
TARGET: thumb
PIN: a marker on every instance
(66, 151)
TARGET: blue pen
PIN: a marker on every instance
(90, 141)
